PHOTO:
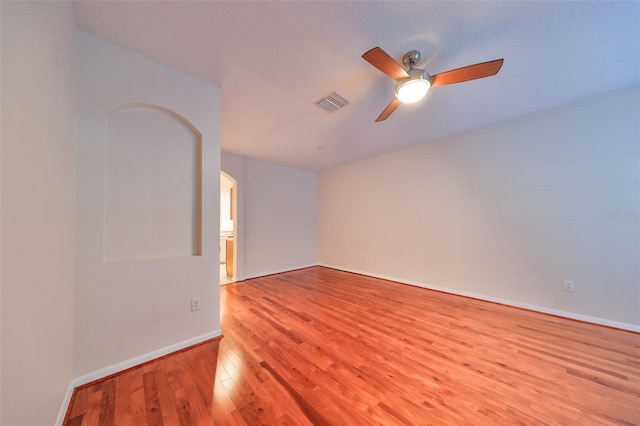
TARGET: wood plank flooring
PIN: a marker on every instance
(324, 347)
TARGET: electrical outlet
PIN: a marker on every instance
(569, 286)
(366, 257)
(195, 304)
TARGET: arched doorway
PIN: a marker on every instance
(228, 229)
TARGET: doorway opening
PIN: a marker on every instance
(228, 224)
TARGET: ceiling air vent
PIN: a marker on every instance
(332, 102)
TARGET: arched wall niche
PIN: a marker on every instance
(152, 185)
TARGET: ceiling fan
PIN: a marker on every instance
(412, 85)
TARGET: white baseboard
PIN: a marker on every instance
(279, 271)
(556, 312)
(65, 404)
(124, 365)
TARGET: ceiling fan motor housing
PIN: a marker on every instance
(410, 59)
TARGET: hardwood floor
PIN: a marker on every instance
(320, 346)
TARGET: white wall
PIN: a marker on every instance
(127, 310)
(505, 213)
(277, 216)
(38, 171)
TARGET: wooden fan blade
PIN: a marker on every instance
(385, 63)
(395, 103)
(471, 72)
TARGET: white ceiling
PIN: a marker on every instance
(272, 60)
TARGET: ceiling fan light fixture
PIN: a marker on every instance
(413, 85)
(413, 88)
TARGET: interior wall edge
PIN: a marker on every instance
(111, 325)
(527, 306)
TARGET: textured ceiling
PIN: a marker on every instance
(272, 60)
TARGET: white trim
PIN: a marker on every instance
(65, 404)
(556, 312)
(280, 271)
(132, 362)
